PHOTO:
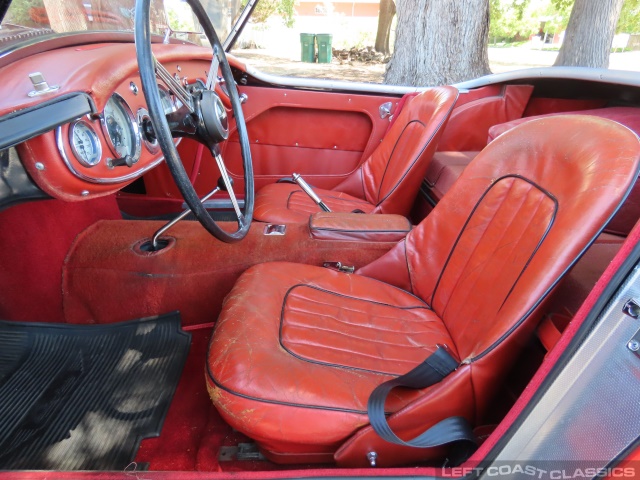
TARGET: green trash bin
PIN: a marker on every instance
(324, 47)
(308, 47)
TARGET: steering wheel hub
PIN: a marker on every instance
(214, 115)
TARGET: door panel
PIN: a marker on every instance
(323, 136)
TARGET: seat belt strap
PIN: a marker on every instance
(453, 429)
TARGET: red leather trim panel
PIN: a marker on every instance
(354, 226)
(323, 136)
(469, 122)
(542, 106)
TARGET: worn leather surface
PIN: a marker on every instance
(355, 226)
(390, 177)
(629, 214)
(470, 121)
(472, 275)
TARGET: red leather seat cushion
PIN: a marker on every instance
(327, 340)
(287, 203)
(444, 170)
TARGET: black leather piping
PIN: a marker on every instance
(464, 227)
(277, 402)
(436, 130)
(393, 150)
(335, 365)
(357, 231)
(601, 303)
(424, 191)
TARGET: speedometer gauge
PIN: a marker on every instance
(121, 128)
(85, 143)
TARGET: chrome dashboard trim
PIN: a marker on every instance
(133, 123)
(101, 181)
(76, 154)
(143, 114)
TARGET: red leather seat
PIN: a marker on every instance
(387, 182)
(298, 349)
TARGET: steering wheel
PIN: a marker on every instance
(200, 115)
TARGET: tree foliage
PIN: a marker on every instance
(513, 20)
(267, 8)
(629, 21)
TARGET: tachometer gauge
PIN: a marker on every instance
(85, 143)
(121, 128)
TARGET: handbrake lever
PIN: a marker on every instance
(306, 188)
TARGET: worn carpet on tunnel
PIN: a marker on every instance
(82, 397)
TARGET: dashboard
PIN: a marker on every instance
(86, 136)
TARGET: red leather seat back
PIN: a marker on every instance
(516, 219)
(391, 176)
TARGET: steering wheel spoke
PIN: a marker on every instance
(212, 76)
(173, 85)
(228, 184)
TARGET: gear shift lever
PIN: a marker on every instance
(309, 191)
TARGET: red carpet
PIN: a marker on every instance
(193, 431)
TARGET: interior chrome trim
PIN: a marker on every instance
(102, 181)
(601, 75)
(143, 115)
(76, 154)
(133, 124)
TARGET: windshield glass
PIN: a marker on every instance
(26, 18)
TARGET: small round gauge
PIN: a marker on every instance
(85, 143)
(121, 128)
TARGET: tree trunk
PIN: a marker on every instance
(387, 11)
(67, 16)
(589, 35)
(439, 42)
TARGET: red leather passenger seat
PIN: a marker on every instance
(387, 182)
(298, 349)
(446, 167)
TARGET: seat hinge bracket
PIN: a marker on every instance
(338, 266)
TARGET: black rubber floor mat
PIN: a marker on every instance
(82, 397)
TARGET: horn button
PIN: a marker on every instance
(214, 115)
